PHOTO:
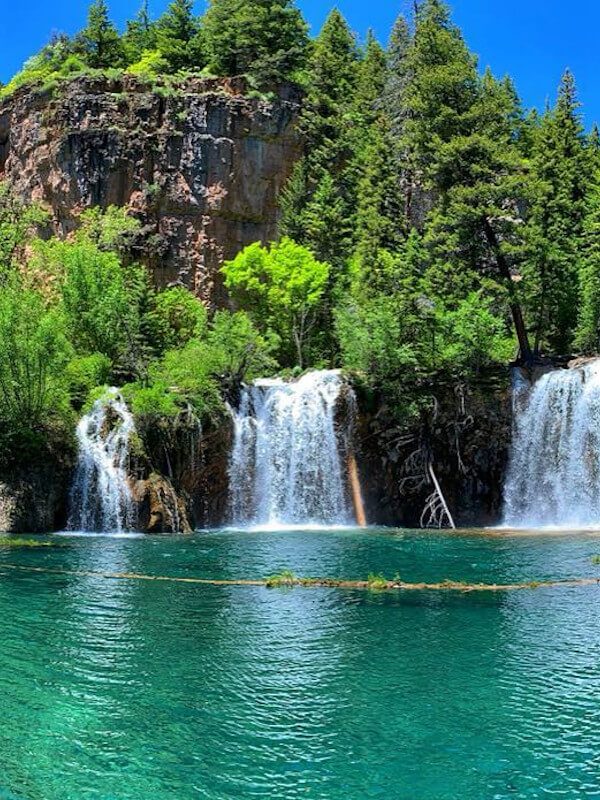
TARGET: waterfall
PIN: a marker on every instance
(287, 462)
(100, 496)
(554, 472)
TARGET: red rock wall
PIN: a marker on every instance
(200, 165)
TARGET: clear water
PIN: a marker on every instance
(130, 690)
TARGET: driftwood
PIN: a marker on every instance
(436, 507)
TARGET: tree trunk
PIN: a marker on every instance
(515, 308)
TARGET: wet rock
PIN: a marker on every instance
(33, 503)
(159, 508)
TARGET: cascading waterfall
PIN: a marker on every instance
(286, 465)
(554, 472)
(101, 498)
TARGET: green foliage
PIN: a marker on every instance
(557, 187)
(150, 65)
(265, 39)
(96, 302)
(139, 40)
(34, 350)
(55, 61)
(19, 222)
(319, 201)
(588, 327)
(377, 583)
(179, 38)
(473, 336)
(228, 351)
(84, 374)
(99, 42)
(284, 579)
(179, 316)
(283, 288)
(110, 229)
(14, 542)
(237, 351)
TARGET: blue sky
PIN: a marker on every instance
(532, 40)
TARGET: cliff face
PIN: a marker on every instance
(201, 165)
(466, 438)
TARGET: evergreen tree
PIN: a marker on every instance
(179, 37)
(323, 186)
(440, 91)
(371, 76)
(588, 328)
(265, 39)
(459, 140)
(379, 214)
(140, 35)
(397, 76)
(554, 232)
(99, 41)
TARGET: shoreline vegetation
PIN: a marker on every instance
(287, 580)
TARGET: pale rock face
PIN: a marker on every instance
(201, 167)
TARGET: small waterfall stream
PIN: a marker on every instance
(554, 472)
(287, 463)
(100, 496)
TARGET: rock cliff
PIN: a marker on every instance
(464, 433)
(200, 163)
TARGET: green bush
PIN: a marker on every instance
(85, 373)
(34, 351)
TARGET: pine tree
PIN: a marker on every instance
(458, 139)
(324, 183)
(140, 35)
(397, 76)
(379, 212)
(264, 39)
(99, 41)
(441, 89)
(588, 327)
(179, 37)
(557, 188)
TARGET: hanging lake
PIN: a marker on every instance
(155, 689)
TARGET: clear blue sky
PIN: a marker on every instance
(532, 40)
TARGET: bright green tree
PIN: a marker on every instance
(33, 353)
(282, 287)
(265, 39)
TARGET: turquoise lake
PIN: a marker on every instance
(137, 690)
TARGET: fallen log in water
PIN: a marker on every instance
(288, 580)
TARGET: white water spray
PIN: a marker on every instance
(286, 467)
(554, 472)
(100, 497)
